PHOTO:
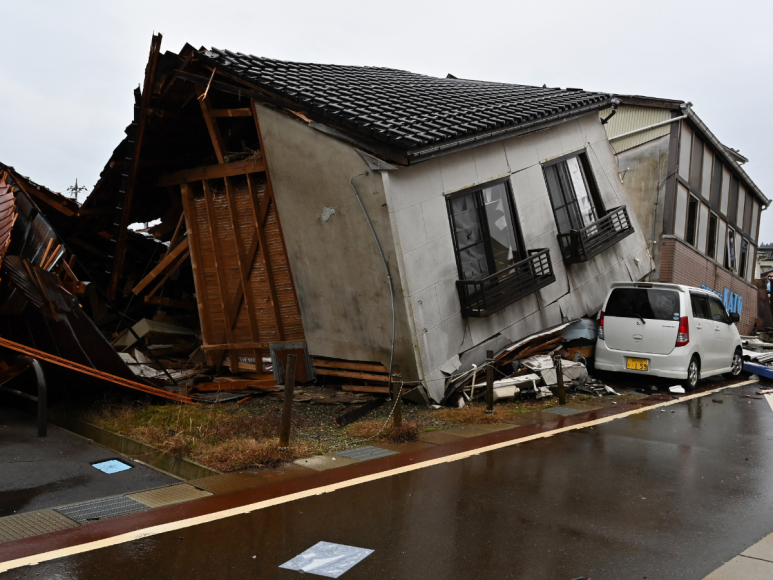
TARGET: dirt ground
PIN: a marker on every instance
(230, 437)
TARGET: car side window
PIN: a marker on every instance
(718, 312)
(700, 307)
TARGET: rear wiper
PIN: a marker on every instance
(641, 318)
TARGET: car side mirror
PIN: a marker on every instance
(735, 317)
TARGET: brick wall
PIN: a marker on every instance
(681, 264)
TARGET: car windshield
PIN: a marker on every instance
(650, 303)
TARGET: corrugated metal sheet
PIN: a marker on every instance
(629, 118)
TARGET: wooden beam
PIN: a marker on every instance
(209, 202)
(244, 267)
(352, 375)
(147, 91)
(250, 165)
(244, 345)
(192, 228)
(214, 131)
(162, 265)
(171, 271)
(44, 356)
(263, 245)
(230, 112)
(268, 385)
(251, 253)
(176, 231)
(355, 366)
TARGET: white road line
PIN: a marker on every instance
(245, 509)
(770, 400)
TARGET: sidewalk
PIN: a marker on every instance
(755, 563)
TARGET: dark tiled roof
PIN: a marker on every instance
(407, 110)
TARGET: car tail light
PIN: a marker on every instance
(601, 326)
(684, 332)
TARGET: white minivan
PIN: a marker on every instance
(667, 330)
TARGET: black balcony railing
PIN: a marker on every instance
(487, 295)
(582, 245)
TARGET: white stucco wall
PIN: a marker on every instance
(428, 272)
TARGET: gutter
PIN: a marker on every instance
(635, 131)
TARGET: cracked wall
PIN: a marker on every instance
(425, 253)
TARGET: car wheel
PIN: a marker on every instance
(693, 374)
(736, 367)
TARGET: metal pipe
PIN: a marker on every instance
(489, 382)
(389, 277)
(656, 125)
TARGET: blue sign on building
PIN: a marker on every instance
(732, 301)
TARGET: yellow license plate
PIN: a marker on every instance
(637, 364)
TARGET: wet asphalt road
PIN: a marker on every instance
(660, 495)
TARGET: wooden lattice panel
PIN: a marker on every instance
(235, 237)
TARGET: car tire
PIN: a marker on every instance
(736, 366)
(693, 374)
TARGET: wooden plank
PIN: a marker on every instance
(244, 268)
(355, 366)
(196, 262)
(209, 203)
(253, 164)
(247, 112)
(264, 249)
(176, 232)
(162, 265)
(352, 375)
(214, 131)
(147, 91)
(171, 271)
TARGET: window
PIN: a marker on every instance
(652, 304)
(716, 184)
(692, 221)
(696, 163)
(717, 311)
(711, 248)
(700, 306)
(747, 214)
(485, 232)
(730, 249)
(732, 200)
(574, 199)
(744, 253)
(724, 190)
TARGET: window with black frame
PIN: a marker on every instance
(485, 231)
(573, 195)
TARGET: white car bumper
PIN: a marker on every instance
(672, 365)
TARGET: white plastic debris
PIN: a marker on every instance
(572, 371)
(677, 389)
(542, 392)
(507, 389)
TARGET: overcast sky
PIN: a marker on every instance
(68, 68)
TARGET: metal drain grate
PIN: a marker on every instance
(565, 411)
(169, 495)
(19, 526)
(101, 509)
(365, 453)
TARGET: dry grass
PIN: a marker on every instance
(226, 438)
(369, 429)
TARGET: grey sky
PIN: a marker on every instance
(69, 68)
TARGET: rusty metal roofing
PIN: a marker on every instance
(415, 112)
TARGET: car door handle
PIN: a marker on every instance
(698, 326)
(716, 329)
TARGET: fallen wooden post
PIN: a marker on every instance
(489, 382)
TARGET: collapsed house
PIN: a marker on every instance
(373, 220)
(699, 210)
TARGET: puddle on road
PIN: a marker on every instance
(15, 500)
